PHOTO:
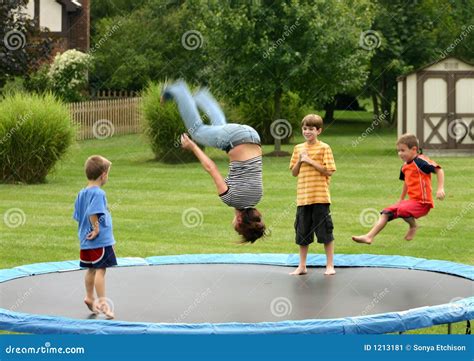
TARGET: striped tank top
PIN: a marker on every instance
(244, 182)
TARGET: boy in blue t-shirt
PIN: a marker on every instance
(95, 234)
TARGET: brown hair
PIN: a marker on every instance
(95, 166)
(410, 140)
(251, 227)
(312, 120)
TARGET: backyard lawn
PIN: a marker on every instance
(149, 201)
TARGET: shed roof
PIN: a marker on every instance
(403, 76)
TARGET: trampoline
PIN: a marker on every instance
(241, 294)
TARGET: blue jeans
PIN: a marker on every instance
(219, 134)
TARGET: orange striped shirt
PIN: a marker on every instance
(313, 187)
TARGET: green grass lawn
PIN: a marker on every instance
(148, 199)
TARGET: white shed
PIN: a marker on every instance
(436, 103)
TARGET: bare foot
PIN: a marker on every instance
(411, 233)
(90, 305)
(362, 239)
(299, 271)
(103, 307)
(330, 271)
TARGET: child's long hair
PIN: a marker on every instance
(251, 226)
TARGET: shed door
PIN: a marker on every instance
(446, 110)
(461, 129)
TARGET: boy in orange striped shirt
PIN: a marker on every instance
(416, 176)
(313, 163)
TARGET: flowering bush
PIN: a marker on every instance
(68, 74)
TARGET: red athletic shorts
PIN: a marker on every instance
(407, 208)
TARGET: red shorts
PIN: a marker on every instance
(103, 257)
(406, 209)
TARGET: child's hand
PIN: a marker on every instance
(186, 143)
(440, 194)
(304, 157)
(92, 235)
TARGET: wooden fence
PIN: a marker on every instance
(102, 119)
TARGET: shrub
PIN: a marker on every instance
(261, 116)
(164, 126)
(35, 132)
(68, 74)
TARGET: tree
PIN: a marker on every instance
(156, 41)
(422, 32)
(262, 50)
(23, 47)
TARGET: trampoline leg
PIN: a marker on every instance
(468, 327)
(449, 328)
(400, 332)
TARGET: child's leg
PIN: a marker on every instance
(329, 249)
(100, 290)
(301, 270)
(203, 134)
(412, 230)
(369, 237)
(89, 282)
(206, 102)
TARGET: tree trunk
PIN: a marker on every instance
(329, 111)
(375, 103)
(277, 108)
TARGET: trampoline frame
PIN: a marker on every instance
(392, 322)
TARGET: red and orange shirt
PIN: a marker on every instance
(417, 176)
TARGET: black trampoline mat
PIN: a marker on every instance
(196, 293)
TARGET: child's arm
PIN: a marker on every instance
(296, 168)
(305, 158)
(440, 192)
(208, 165)
(95, 227)
(404, 191)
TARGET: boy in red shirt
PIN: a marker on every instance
(416, 174)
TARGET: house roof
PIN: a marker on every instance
(71, 5)
(403, 76)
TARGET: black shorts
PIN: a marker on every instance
(313, 219)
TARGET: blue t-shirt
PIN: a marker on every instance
(92, 201)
